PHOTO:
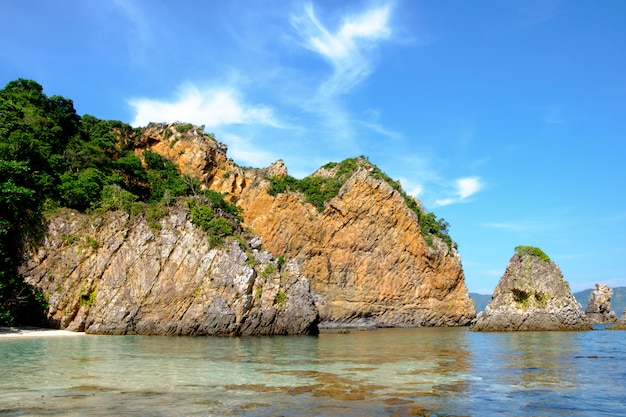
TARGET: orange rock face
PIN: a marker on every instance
(364, 253)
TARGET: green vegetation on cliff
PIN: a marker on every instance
(50, 157)
(318, 189)
(531, 250)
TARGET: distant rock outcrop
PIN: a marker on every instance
(114, 274)
(599, 305)
(365, 254)
(531, 295)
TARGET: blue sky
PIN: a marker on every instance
(506, 118)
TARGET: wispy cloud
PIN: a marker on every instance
(468, 187)
(211, 107)
(410, 187)
(465, 188)
(246, 153)
(346, 49)
(381, 130)
(349, 48)
(140, 39)
(535, 12)
(510, 226)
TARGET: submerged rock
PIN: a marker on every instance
(599, 305)
(531, 295)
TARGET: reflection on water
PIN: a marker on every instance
(537, 359)
(388, 372)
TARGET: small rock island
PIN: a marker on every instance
(531, 295)
(599, 305)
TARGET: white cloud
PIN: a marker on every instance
(511, 227)
(245, 153)
(445, 201)
(411, 188)
(209, 107)
(140, 38)
(381, 130)
(465, 187)
(468, 187)
(345, 48)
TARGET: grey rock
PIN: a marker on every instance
(114, 275)
(599, 305)
(256, 242)
(531, 295)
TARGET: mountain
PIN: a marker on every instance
(480, 301)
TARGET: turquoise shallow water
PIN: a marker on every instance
(387, 372)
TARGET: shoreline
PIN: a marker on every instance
(20, 332)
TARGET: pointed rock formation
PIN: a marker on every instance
(531, 295)
(599, 305)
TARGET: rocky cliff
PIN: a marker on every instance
(599, 305)
(364, 253)
(531, 295)
(116, 274)
(361, 258)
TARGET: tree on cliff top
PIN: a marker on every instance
(50, 157)
(318, 189)
(531, 250)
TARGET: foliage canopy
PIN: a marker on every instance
(531, 250)
(50, 157)
(319, 189)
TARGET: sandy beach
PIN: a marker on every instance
(13, 332)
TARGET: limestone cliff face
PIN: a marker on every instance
(364, 253)
(531, 295)
(114, 275)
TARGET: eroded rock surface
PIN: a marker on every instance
(531, 295)
(599, 305)
(364, 257)
(113, 274)
(364, 254)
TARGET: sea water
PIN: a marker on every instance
(386, 372)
